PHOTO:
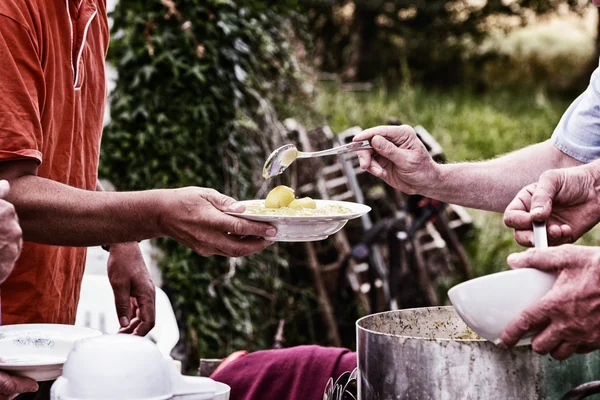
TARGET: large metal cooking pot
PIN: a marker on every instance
(429, 353)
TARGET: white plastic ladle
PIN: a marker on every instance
(540, 237)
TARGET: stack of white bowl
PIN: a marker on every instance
(123, 367)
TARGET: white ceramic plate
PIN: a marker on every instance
(303, 228)
(38, 351)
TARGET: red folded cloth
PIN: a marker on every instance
(298, 373)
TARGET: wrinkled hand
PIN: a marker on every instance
(567, 199)
(196, 218)
(134, 291)
(10, 234)
(399, 158)
(11, 386)
(567, 318)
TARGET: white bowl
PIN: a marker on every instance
(38, 351)
(488, 304)
(110, 366)
(115, 367)
(222, 391)
(306, 229)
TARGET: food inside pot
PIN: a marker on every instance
(440, 323)
(468, 334)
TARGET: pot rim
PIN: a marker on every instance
(420, 338)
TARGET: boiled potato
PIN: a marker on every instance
(279, 197)
(305, 202)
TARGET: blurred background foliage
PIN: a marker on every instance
(203, 85)
(444, 42)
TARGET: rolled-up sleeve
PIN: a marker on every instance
(578, 132)
(21, 93)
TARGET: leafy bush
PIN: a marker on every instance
(192, 107)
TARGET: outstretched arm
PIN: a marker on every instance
(491, 185)
(402, 161)
(57, 214)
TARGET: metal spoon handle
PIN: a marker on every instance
(540, 238)
(348, 148)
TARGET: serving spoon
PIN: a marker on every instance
(283, 157)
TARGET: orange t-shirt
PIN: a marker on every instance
(52, 97)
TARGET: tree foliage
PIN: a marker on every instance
(192, 107)
(365, 39)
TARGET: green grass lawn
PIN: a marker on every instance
(469, 127)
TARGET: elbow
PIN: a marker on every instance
(13, 170)
(560, 158)
(18, 173)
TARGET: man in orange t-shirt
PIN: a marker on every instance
(52, 96)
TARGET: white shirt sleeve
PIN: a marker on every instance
(578, 132)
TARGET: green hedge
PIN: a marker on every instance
(192, 107)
